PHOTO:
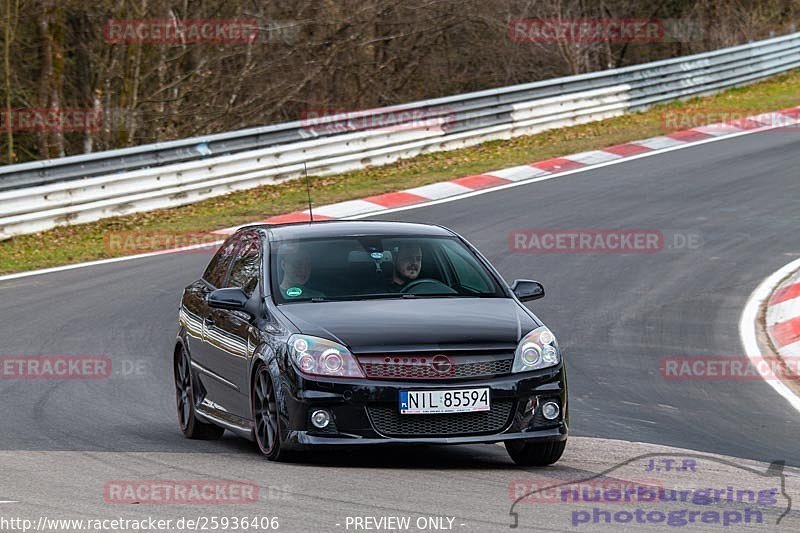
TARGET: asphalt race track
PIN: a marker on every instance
(734, 204)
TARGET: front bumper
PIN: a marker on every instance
(366, 411)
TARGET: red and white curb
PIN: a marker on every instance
(780, 293)
(533, 171)
(783, 317)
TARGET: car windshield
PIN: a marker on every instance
(365, 267)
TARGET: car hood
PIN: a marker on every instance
(368, 326)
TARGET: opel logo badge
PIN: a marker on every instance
(441, 364)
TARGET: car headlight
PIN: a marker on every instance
(321, 357)
(538, 349)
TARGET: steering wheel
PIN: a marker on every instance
(437, 287)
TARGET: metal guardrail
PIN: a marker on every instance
(40, 195)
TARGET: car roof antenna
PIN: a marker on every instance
(308, 191)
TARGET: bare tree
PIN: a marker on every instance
(335, 55)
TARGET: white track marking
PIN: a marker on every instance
(518, 173)
(18, 275)
(657, 143)
(593, 157)
(347, 209)
(439, 190)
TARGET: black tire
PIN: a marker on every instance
(266, 422)
(526, 453)
(191, 427)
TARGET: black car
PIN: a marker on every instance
(366, 333)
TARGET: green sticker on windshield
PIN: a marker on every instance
(294, 291)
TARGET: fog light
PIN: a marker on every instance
(321, 418)
(550, 410)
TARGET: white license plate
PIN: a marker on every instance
(443, 401)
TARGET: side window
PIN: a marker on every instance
(247, 265)
(218, 267)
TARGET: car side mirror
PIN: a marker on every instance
(527, 290)
(232, 299)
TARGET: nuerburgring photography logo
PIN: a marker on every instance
(682, 490)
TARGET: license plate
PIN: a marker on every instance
(443, 401)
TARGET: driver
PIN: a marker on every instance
(407, 266)
(296, 266)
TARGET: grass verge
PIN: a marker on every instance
(87, 242)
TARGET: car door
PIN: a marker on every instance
(230, 335)
(195, 316)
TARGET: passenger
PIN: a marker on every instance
(296, 266)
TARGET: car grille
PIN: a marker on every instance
(428, 367)
(388, 421)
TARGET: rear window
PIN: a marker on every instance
(353, 268)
